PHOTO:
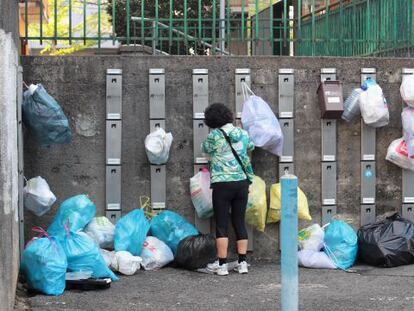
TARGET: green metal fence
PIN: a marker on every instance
(349, 28)
(273, 27)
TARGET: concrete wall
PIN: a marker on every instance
(9, 241)
(78, 83)
(9, 18)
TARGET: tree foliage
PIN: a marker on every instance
(63, 47)
(177, 13)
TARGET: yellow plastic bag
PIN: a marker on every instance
(273, 215)
(257, 204)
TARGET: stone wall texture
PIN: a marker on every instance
(78, 83)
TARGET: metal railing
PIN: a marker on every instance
(359, 27)
(255, 27)
(158, 26)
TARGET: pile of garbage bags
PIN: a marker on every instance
(257, 212)
(332, 247)
(78, 246)
(387, 243)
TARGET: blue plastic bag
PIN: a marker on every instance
(341, 244)
(76, 211)
(84, 255)
(131, 231)
(171, 228)
(45, 118)
(44, 264)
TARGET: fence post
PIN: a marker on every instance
(289, 250)
(222, 25)
(154, 40)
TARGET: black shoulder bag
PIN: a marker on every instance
(236, 155)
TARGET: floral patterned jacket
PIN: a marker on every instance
(224, 167)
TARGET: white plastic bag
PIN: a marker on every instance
(108, 256)
(125, 263)
(102, 231)
(318, 260)
(261, 123)
(407, 90)
(407, 117)
(201, 194)
(157, 146)
(37, 196)
(374, 108)
(155, 254)
(397, 154)
(311, 238)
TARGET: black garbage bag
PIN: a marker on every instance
(196, 251)
(389, 243)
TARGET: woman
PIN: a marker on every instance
(231, 174)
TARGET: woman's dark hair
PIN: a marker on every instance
(217, 115)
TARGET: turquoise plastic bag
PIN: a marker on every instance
(76, 211)
(131, 232)
(171, 228)
(341, 244)
(44, 265)
(84, 255)
(45, 118)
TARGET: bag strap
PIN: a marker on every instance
(247, 92)
(236, 155)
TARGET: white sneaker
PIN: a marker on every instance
(242, 268)
(222, 270)
(217, 269)
(213, 266)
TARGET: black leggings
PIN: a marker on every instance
(232, 195)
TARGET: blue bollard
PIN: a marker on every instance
(289, 300)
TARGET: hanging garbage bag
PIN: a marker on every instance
(311, 238)
(155, 254)
(196, 252)
(314, 259)
(374, 108)
(102, 231)
(261, 123)
(171, 228)
(397, 153)
(273, 214)
(83, 254)
(407, 117)
(37, 196)
(201, 194)
(44, 265)
(77, 211)
(407, 90)
(257, 204)
(389, 243)
(131, 231)
(125, 263)
(341, 244)
(157, 146)
(44, 117)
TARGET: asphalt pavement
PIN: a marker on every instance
(363, 288)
